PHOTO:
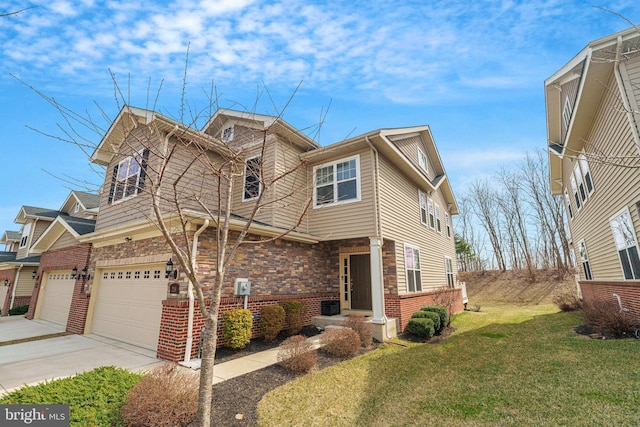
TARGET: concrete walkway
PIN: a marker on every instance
(32, 362)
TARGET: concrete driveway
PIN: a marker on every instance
(49, 358)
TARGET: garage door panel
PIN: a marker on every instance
(129, 305)
(57, 293)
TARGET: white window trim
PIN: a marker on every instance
(635, 237)
(431, 214)
(447, 224)
(423, 197)
(335, 183)
(448, 262)
(406, 269)
(138, 157)
(244, 180)
(24, 239)
(438, 218)
(584, 259)
(423, 160)
(584, 165)
(229, 135)
(567, 201)
(575, 192)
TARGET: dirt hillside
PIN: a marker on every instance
(515, 287)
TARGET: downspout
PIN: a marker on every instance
(623, 92)
(169, 134)
(15, 286)
(194, 251)
(378, 224)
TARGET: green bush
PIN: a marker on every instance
(421, 327)
(236, 327)
(294, 311)
(94, 397)
(271, 321)
(435, 318)
(442, 312)
(20, 309)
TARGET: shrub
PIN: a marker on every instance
(340, 342)
(297, 354)
(166, 396)
(363, 328)
(20, 309)
(237, 327)
(271, 321)
(294, 311)
(421, 327)
(607, 318)
(94, 397)
(567, 301)
(442, 312)
(435, 318)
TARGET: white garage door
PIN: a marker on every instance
(128, 304)
(55, 296)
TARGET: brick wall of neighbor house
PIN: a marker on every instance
(11, 276)
(66, 259)
(629, 292)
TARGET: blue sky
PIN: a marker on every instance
(472, 70)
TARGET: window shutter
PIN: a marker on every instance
(114, 177)
(143, 170)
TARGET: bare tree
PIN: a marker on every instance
(487, 210)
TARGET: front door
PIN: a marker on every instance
(360, 281)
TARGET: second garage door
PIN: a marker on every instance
(128, 304)
(55, 296)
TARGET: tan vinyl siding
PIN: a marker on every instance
(632, 70)
(293, 190)
(37, 228)
(65, 241)
(348, 220)
(569, 91)
(409, 147)
(25, 282)
(614, 186)
(401, 222)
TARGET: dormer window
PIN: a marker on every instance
(76, 207)
(422, 161)
(252, 178)
(227, 134)
(25, 235)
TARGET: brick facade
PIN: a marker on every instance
(66, 259)
(403, 306)
(628, 290)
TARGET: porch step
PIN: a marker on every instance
(323, 321)
(380, 333)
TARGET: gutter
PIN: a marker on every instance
(378, 215)
(194, 251)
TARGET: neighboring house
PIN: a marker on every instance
(18, 269)
(593, 117)
(59, 294)
(376, 238)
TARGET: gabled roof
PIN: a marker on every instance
(32, 212)
(383, 141)
(258, 121)
(593, 66)
(131, 117)
(7, 256)
(64, 223)
(10, 236)
(88, 201)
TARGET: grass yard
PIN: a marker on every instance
(505, 366)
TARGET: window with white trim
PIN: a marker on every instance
(574, 189)
(128, 177)
(447, 223)
(580, 182)
(412, 268)
(438, 222)
(432, 222)
(227, 134)
(566, 113)
(252, 178)
(25, 235)
(626, 243)
(584, 259)
(422, 161)
(567, 202)
(76, 207)
(448, 267)
(337, 182)
(584, 165)
(423, 207)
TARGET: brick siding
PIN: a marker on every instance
(629, 292)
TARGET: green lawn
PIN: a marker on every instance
(505, 366)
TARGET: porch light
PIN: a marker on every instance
(168, 269)
(83, 273)
(6, 282)
(34, 275)
(74, 272)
